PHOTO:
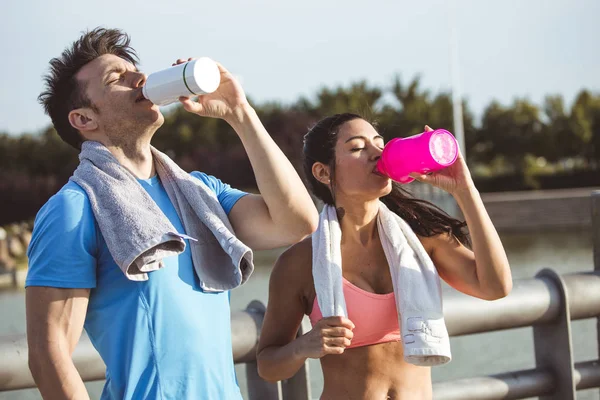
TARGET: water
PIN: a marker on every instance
(473, 355)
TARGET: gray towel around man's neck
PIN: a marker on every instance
(139, 235)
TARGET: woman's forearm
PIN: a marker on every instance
(492, 266)
(276, 363)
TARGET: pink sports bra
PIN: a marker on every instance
(374, 316)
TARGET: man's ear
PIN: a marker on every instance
(83, 119)
(321, 172)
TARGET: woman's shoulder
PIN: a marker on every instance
(299, 252)
(295, 263)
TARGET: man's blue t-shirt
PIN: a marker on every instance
(160, 339)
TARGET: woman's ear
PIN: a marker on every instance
(321, 173)
(83, 119)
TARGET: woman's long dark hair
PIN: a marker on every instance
(425, 218)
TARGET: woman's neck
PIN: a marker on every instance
(358, 221)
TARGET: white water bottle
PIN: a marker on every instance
(193, 78)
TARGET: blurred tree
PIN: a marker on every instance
(518, 138)
(359, 98)
(585, 123)
(510, 132)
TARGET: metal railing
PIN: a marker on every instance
(548, 303)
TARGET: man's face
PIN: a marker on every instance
(114, 87)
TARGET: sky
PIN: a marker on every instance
(281, 50)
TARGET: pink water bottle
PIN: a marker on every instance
(422, 153)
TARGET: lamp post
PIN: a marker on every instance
(457, 112)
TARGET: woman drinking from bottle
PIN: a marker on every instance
(369, 277)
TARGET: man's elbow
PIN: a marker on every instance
(296, 230)
(36, 363)
(306, 225)
(313, 223)
(43, 357)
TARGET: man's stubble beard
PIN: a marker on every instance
(130, 134)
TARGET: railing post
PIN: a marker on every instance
(553, 345)
(596, 243)
(258, 388)
(298, 386)
(596, 228)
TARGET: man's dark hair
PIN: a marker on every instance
(63, 93)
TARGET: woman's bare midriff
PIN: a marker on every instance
(376, 372)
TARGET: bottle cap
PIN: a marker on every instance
(202, 76)
(443, 147)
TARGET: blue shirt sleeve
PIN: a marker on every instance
(227, 195)
(63, 247)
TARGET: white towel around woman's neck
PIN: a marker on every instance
(417, 287)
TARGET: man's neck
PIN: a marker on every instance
(136, 157)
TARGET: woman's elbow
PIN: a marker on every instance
(264, 371)
(506, 283)
(506, 288)
(267, 377)
(499, 291)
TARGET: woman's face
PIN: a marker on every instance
(357, 150)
